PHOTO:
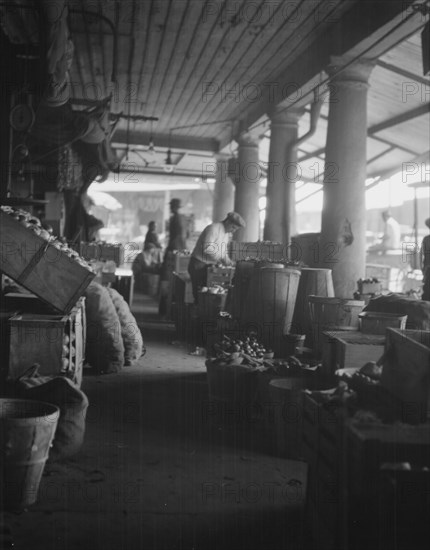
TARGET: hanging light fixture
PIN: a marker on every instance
(168, 164)
(151, 150)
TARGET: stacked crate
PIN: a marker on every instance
(55, 342)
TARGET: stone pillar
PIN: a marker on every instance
(223, 198)
(343, 225)
(282, 175)
(248, 188)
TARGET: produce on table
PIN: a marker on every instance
(214, 289)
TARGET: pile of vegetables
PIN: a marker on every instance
(249, 354)
(33, 223)
(68, 351)
(184, 252)
(214, 289)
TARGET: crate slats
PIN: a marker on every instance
(40, 267)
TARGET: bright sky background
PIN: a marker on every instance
(391, 192)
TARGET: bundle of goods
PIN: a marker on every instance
(68, 397)
(417, 311)
(114, 339)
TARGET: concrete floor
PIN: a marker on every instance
(158, 472)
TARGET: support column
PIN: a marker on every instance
(248, 188)
(343, 225)
(282, 175)
(223, 199)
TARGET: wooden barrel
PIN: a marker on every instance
(242, 276)
(27, 430)
(270, 302)
(333, 314)
(313, 282)
(305, 248)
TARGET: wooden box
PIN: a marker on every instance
(40, 267)
(353, 349)
(369, 288)
(323, 442)
(55, 342)
(220, 275)
(374, 322)
(406, 372)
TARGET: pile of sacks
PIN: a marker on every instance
(113, 339)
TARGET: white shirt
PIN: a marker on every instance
(212, 245)
(391, 237)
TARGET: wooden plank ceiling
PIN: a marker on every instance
(198, 66)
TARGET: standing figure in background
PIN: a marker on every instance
(425, 263)
(178, 228)
(212, 248)
(178, 233)
(151, 237)
(391, 236)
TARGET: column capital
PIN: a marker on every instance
(248, 139)
(343, 70)
(221, 157)
(285, 116)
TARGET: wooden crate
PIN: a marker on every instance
(258, 250)
(353, 349)
(329, 351)
(220, 275)
(323, 442)
(40, 267)
(102, 252)
(374, 322)
(40, 338)
(371, 445)
(406, 372)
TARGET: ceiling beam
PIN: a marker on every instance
(368, 29)
(403, 72)
(399, 119)
(168, 142)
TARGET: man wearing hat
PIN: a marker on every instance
(177, 228)
(178, 233)
(212, 249)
